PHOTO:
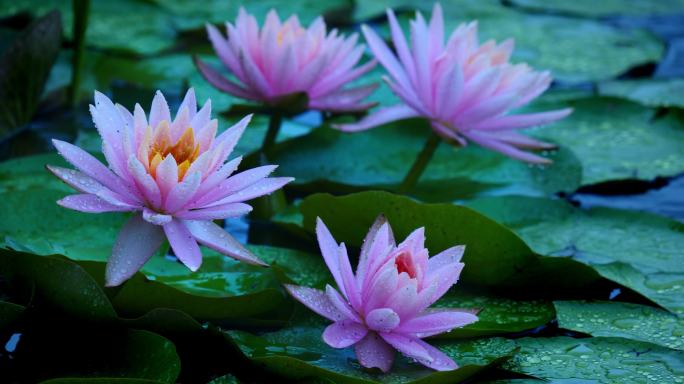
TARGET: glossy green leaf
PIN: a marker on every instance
(190, 16)
(603, 8)
(638, 250)
(494, 255)
(298, 353)
(615, 319)
(24, 69)
(9, 312)
(618, 140)
(126, 25)
(380, 158)
(650, 92)
(597, 360)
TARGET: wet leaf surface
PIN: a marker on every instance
(630, 321)
(653, 93)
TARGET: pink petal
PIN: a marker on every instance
(260, 188)
(436, 31)
(522, 121)
(380, 289)
(341, 304)
(86, 184)
(385, 56)
(437, 322)
(156, 218)
(167, 175)
(329, 251)
(315, 300)
(182, 192)
(223, 50)
(146, 184)
(348, 279)
(183, 244)
(344, 333)
(520, 141)
(216, 177)
(374, 352)
(159, 111)
(214, 78)
(438, 360)
(212, 236)
(409, 346)
(135, 244)
(506, 149)
(189, 102)
(92, 167)
(370, 246)
(216, 212)
(379, 117)
(446, 257)
(91, 204)
(401, 46)
(382, 319)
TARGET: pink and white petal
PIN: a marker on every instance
(506, 149)
(167, 175)
(348, 279)
(380, 289)
(154, 217)
(260, 188)
(145, 183)
(374, 352)
(219, 81)
(329, 250)
(379, 117)
(436, 322)
(436, 31)
(223, 50)
(420, 43)
(91, 204)
(159, 111)
(183, 244)
(521, 141)
(189, 102)
(135, 244)
(332, 83)
(88, 164)
(83, 183)
(212, 236)
(438, 361)
(215, 178)
(205, 136)
(218, 212)
(409, 346)
(522, 121)
(244, 179)
(316, 300)
(341, 304)
(382, 319)
(230, 137)
(369, 244)
(385, 56)
(401, 46)
(446, 257)
(202, 117)
(344, 333)
(182, 193)
(343, 100)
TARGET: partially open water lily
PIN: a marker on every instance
(466, 89)
(284, 58)
(172, 173)
(384, 305)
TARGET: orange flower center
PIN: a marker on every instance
(184, 151)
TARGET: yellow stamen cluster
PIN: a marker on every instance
(184, 151)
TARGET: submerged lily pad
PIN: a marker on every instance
(651, 92)
(638, 250)
(597, 360)
(617, 140)
(298, 353)
(380, 158)
(604, 7)
(494, 256)
(614, 319)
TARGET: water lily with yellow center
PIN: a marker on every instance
(173, 173)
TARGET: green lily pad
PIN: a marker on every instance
(298, 353)
(630, 321)
(132, 26)
(380, 158)
(603, 8)
(24, 69)
(617, 140)
(494, 256)
(227, 379)
(597, 360)
(638, 250)
(453, 9)
(9, 312)
(650, 92)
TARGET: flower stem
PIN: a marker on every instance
(419, 164)
(273, 127)
(81, 8)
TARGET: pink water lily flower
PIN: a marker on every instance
(466, 89)
(283, 58)
(384, 306)
(172, 173)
